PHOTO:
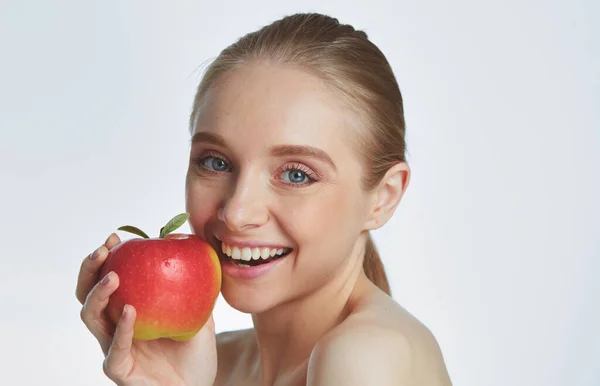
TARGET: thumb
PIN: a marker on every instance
(119, 361)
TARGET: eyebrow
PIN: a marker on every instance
(203, 136)
(276, 151)
(300, 150)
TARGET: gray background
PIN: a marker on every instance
(495, 246)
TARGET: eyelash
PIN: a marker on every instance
(200, 160)
(311, 176)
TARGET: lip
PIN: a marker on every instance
(254, 272)
(231, 270)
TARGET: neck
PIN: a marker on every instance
(287, 334)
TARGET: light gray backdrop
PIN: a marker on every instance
(495, 246)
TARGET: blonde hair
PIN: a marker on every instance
(346, 59)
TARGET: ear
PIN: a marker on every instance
(387, 195)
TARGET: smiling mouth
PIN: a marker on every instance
(245, 257)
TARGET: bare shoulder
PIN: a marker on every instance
(380, 343)
(232, 350)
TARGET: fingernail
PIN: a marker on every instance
(95, 254)
(106, 278)
(125, 308)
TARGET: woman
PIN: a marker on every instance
(297, 153)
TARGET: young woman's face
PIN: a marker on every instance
(274, 185)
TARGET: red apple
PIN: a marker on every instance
(173, 282)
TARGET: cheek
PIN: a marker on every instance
(325, 224)
(325, 228)
(201, 202)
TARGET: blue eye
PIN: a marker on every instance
(215, 163)
(295, 176)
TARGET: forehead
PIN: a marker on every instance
(272, 104)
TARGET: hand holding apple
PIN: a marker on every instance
(172, 281)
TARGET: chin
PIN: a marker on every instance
(247, 300)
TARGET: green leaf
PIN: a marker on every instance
(134, 230)
(173, 224)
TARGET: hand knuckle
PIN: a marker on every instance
(106, 368)
(83, 314)
(86, 318)
(110, 371)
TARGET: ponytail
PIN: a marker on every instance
(373, 266)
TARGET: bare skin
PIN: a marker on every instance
(273, 161)
(369, 314)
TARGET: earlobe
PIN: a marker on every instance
(388, 194)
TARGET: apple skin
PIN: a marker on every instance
(172, 282)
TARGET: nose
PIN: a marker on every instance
(245, 207)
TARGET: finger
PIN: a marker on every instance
(88, 273)
(92, 312)
(206, 336)
(210, 325)
(119, 362)
(112, 240)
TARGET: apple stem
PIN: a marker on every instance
(172, 225)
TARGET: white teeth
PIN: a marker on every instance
(264, 253)
(236, 253)
(246, 254)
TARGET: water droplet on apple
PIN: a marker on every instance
(167, 263)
